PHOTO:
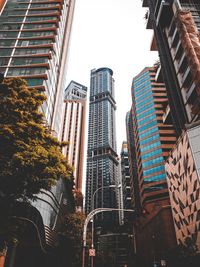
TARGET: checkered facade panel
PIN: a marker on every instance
(184, 190)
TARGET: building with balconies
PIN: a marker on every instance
(153, 142)
(176, 26)
(34, 38)
(126, 189)
(74, 121)
(134, 184)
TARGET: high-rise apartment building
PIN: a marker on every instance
(34, 37)
(125, 176)
(176, 26)
(74, 128)
(134, 184)
(102, 161)
(154, 228)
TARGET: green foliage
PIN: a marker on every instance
(30, 157)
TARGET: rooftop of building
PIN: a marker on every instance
(102, 69)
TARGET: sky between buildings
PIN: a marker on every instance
(110, 33)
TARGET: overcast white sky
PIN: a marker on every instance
(110, 33)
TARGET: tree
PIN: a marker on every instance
(30, 157)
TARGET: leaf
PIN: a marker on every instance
(30, 157)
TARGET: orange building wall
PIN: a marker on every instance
(184, 191)
(2, 3)
(2, 260)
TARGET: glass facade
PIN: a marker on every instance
(150, 156)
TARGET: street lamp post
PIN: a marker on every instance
(93, 198)
(106, 186)
(88, 219)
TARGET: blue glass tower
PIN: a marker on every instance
(153, 139)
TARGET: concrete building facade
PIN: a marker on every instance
(74, 129)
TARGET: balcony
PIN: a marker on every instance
(196, 106)
(162, 13)
(149, 24)
(187, 78)
(178, 51)
(182, 65)
(175, 38)
(190, 92)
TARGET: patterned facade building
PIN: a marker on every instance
(102, 161)
(183, 173)
(74, 129)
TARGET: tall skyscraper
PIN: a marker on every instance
(34, 37)
(176, 26)
(74, 128)
(102, 161)
(153, 140)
